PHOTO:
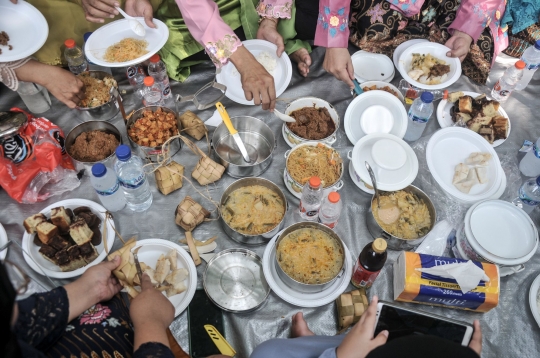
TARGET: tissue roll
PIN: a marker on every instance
(414, 286)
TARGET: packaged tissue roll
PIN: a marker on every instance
(433, 280)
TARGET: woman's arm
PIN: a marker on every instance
(333, 24)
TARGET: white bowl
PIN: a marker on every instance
(437, 50)
(381, 84)
(372, 67)
(450, 146)
(387, 180)
(390, 103)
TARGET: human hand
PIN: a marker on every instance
(359, 341)
(141, 8)
(268, 31)
(151, 307)
(13, 1)
(337, 61)
(476, 341)
(63, 85)
(459, 45)
(257, 83)
(97, 10)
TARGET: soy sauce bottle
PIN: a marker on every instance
(369, 264)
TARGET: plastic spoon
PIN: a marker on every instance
(134, 24)
(284, 117)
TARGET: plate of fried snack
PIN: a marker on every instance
(169, 267)
(476, 112)
(67, 237)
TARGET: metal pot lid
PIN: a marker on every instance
(234, 280)
(10, 122)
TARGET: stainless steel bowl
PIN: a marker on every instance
(291, 282)
(252, 239)
(253, 132)
(234, 280)
(151, 153)
(87, 127)
(106, 111)
(394, 242)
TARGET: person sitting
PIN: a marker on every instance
(522, 18)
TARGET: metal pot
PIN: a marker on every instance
(394, 242)
(87, 127)
(295, 187)
(291, 282)
(253, 132)
(106, 111)
(292, 139)
(151, 153)
(252, 239)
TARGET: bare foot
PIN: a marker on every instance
(299, 327)
(303, 60)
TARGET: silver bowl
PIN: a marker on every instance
(291, 282)
(87, 127)
(151, 153)
(252, 239)
(394, 242)
(234, 280)
(106, 111)
(253, 132)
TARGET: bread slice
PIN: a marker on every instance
(465, 104)
(31, 222)
(46, 231)
(60, 218)
(80, 232)
(455, 96)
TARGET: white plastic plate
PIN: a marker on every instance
(357, 181)
(437, 50)
(534, 299)
(445, 118)
(372, 67)
(107, 35)
(26, 27)
(229, 76)
(151, 250)
(41, 264)
(3, 241)
(405, 45)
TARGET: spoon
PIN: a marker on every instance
(134, 24)
(284, 117)
(374, 183)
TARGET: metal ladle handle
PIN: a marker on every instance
(373, 182)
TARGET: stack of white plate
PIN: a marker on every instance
(372, 67)
(450, 146)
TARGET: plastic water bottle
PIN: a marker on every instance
(529, 194)
(92, 66)
(419, 114)
(135, 75)
(530, 163)
(152, 93)
(330, 210)
(311, 198)
(130, 173)
(157, 70)
(506, 84)
(107, 187)
(531, 57)
(75, 57)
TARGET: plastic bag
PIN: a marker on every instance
(34, 164)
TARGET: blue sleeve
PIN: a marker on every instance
(329, 353)
(153, 350)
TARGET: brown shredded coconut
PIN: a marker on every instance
(4, 39)
(93, 146)
(312, 123)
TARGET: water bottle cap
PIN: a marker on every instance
(70, 43)
(86, 36)
(520, 65)
(379, 245)
(98, 170)
(537, 44)
(148, 81)
(333, 197)
(314, 182)
(427, 97)
(155, 58)
(123, 152)
(538, 181)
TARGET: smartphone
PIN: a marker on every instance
(202, 311)
(400, 322)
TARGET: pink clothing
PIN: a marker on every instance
(332, 24)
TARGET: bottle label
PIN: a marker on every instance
(418, 119)
(536, 151)
(501, 92)
(530, 66)
(109, 192)
(309, 214)
(135, 183)
(330, 225)
(526, 199)
(362, 277)
(166, 90)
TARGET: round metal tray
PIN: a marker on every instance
(234, 280)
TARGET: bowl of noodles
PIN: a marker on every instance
(252, 210)
(99, 104)
(313, 159)
(403, 219)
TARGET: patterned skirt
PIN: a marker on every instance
(375, 27)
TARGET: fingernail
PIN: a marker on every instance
(111, 16)
(385, 333)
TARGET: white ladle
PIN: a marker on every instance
(134, 24)
(284, 117)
